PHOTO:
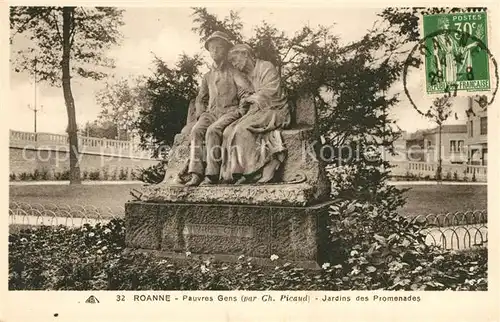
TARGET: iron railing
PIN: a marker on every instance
(459, 230)
(458, 218)
(458, 237)
(21, 213)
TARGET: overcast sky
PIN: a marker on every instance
(167, 33)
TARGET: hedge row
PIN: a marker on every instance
(448, 176)
(93, 175)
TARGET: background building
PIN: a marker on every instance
(422, 145)
(477, 133)
(452, 144)
(415, 146)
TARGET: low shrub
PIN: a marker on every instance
(123, 174)
(38, 175)
(24, 176)
(110, 174)
(105, 174)
(410, 176)
(62, 175)
(12, 177)
(94, 175)
(35, 175)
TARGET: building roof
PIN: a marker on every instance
(451, 128)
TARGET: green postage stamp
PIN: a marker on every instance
(456, 53)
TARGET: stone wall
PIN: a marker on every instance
(49, 153)
(423, 169)
(53, 161)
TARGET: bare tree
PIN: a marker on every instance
(439, 112)
(65, 41)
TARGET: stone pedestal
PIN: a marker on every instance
(226, 231)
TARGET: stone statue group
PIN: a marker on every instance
(240, 110)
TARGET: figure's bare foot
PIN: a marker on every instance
(268, 171)
(226, 181)
(195, 180)
(241, 180)
(179, 179)
(248, 178)
(209, 180)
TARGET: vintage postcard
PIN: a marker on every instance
(250, 161)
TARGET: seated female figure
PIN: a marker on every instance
(252, 148)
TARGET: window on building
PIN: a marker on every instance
(471, 128)
(460, 146)
(453, 146)
(484, 125)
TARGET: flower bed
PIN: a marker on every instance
(94, 258)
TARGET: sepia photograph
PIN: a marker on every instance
(249, 149)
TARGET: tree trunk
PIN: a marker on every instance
(440, 161)
(74, 167)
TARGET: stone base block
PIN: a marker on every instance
(295, 234)
(300, 194)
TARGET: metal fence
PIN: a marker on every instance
(21, 213)
(458, 237)
(458, 218)
(459, 230)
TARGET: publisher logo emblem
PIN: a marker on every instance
(92, 299)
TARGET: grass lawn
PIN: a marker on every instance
(437, 199)
(112, 196)
(421, 199)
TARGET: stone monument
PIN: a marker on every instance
(285, 217)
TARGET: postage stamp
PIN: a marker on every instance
(456, 54)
